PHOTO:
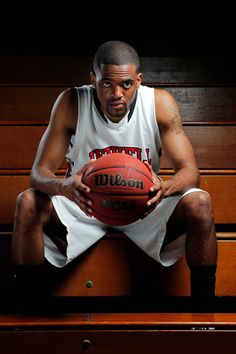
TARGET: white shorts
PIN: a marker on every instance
(83, 232)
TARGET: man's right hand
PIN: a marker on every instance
(74, 189)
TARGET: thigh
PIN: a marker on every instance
(176, 225)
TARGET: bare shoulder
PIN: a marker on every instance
(167, 110)
(165, 99)
(65, 109)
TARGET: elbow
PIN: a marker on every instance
(32, 180)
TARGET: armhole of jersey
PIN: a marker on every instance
(74, 141)
(157, 124)
(154, 109)
(78, 110)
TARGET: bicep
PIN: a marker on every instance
(178, 150)
(176, 144)
(55, 141)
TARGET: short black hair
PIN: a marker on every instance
(115, 53)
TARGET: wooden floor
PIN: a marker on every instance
(113, 333)
(144, 320)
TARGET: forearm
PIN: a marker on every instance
(183, 180)
(45, 181)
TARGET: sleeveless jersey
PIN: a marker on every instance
(136, 134)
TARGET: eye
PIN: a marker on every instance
(127, 84)
(106, 84)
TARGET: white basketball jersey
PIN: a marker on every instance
(137, 134)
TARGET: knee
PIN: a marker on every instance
(26, 199)
(199, 207)
(32, 203)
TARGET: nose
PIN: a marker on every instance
(117, 92)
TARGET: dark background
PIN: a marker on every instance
(153, 29)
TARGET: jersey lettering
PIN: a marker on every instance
(133, 151)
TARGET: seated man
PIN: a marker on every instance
(115, 113)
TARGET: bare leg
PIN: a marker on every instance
(194, 215)
(33, 211)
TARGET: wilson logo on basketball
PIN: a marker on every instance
(117, 180)
(118, 205)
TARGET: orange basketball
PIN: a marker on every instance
(120, 185)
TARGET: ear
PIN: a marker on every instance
(93, 78)
(139, 79)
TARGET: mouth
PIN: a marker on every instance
(117, 105)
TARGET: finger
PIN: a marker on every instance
(80, 186)
(81, 173)
(86, 210)
(84, 199)
(148, 165)
(83, 187)
(155, 188)
(155, 199)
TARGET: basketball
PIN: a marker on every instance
(119, 188)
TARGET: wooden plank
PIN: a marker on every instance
(206, 104)
(217, 147)
(198, 104)
(72, 70)
(216, 151)
(221, 188)
(27, 103)
(118, 341)
(223, 198)
(19, 145)
(120, 268)
(140, 320)
(191, 70)
(117, 267)
(44, 70)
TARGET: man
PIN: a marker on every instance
(115, 113)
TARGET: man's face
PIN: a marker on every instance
(116, 87)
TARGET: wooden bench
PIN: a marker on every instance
(132, 333)
(115, 268)
(208, 111)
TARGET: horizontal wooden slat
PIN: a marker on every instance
(223, 194)
(198, 104)
(226, 235)
(44, 70)
(19, 145)
(221, 188)
(206, 103)
(189, 70)
(117, 267)
(214, 146)
(158, 320)
(105, 341)
(27, 103)
(216, 151)
(74, 70)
